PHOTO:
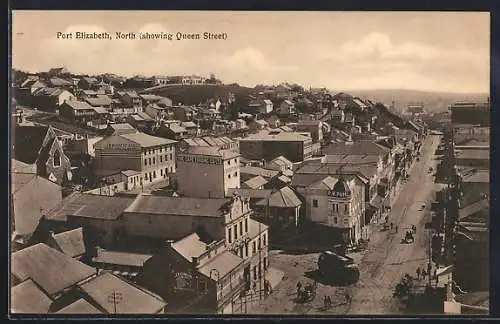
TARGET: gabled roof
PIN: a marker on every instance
(28, 298)
(52, 270)
(81, 306)
(190, 246)
(71, 242)
(134, 300)
(211, 151)
(356, 148)
(283, 198)
(325, 183)
(33, 84)
(249, 193)
(48, 92)
(255, 182)
(281, 161)
(58, 82)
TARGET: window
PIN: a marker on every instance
(145, 161)
(246, 250)
(345, 208)
(202, 286)
(254, 272)
(229, 176)
(154, 160)
(236, 174)
(259, 243)
(235, 160)
(154, 174)
(241, 252)
(264, 239)
(171, 158)
(230, 238)
(228, 162)
(57, 159)
(165, 171)
(254, 247)
(161, 172)
(315, 203)
(161, 158)
(335, 220)
(149, 161)
(337, 208)
(246, 225)
(241, 228)
(166, 157)
(265, 263)
(235, 232)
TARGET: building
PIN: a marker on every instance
(88, 83)
(40, 145)
(477, 114)
(197, 222)
(338, 203)
(141, 121)
(71, 243)
(76, 111)
(82, 146)
(268, 145)
(131, 99)
(50, 99)
(286, 108)
(264, 106)
(31, 197)
(314, 127)
(222, 142)
(103, 101)
(153, 157)
(207, 171)
(280, 210)
(281, 164)
(184, 113)
(119, 129)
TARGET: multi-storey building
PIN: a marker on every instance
(153, 157)
(207, 171)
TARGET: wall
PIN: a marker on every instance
(167, 226)
(108, 190)
(109, 160)
(231, 174)
(201, 179)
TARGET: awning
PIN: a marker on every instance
(444, 271)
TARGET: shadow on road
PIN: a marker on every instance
(316, 276)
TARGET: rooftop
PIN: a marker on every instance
(472, 154)
(190, 246)
(79, 105)
(145, 140)
(50, 92)
(71, 242)
(283, 198)
(81, 306)
(120, 258)
(351, 159)
(281, 136)
(52, 270)
(91, 206)
(187, 206)
(101, 100)
(255, 228)
(250, 193)
(256, 171)
(224, 263)
(134, 300)
(356, 148)
(211, 151)
(28, 298)
(255, 182)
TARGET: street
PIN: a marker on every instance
(381, 265)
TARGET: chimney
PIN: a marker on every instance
(51, 234)
(194, 261)
(168, 243)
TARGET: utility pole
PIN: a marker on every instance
(115, 298)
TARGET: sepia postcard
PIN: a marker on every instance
(249, 162)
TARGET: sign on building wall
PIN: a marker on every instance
(199, 159)
(123, 147)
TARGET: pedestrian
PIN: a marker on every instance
(429, 268)
(435, 273)
(326, 302)
(418, 273)
(299, 287)
(424, 273)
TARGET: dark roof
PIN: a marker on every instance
(134, 300)
(28, 142)
(312, 169)
(121, 258)
(283, 198)
(28, 298)
(71, 242)
(341, 188)
(482, 205)
(58, 82)
(91, 206)
(81, 306)
(209, 207)
(48, 92)
(356, 148)
(52, 270)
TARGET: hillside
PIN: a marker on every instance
(432, 101)
(196, 94)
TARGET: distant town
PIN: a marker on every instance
(187, 195)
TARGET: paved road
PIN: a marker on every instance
(386, 260)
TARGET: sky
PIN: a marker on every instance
(433, 51)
